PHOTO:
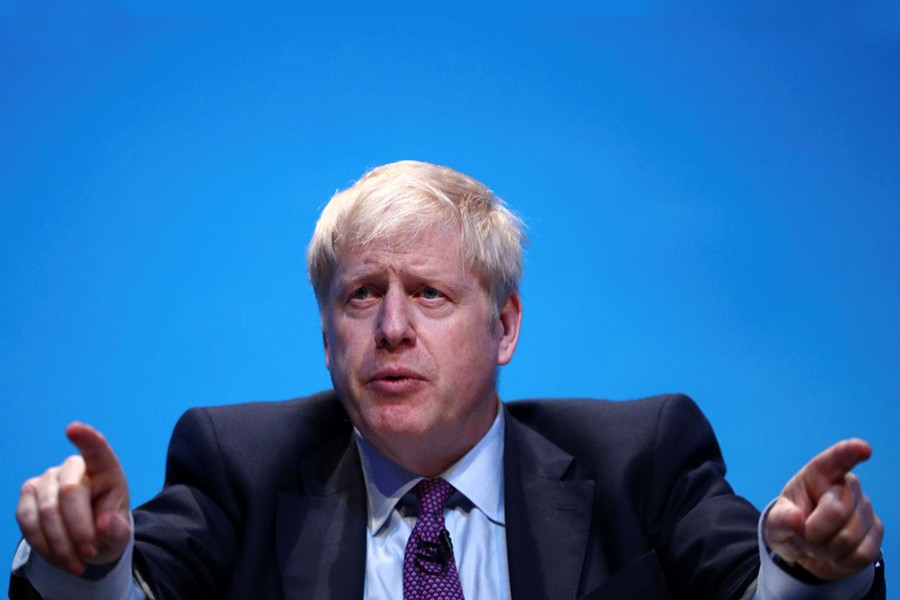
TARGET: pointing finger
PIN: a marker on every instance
(831, 465)
(98, 455)
(108, 491)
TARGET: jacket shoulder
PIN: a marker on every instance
(312, 420)
(257, 441)
(616, 421)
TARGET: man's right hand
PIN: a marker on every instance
(76, 514)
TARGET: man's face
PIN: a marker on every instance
(413, 351)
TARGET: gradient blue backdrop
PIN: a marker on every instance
(712, 205)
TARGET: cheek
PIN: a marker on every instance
(341, 361)
(337, 356)
(342, 339)
(473, 359)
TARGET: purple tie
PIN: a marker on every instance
(429, 571)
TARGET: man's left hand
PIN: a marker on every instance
(822, 520)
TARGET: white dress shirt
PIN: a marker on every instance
(474, 517)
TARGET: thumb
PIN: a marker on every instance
(784, 529)
(114, 526)
(113, 536)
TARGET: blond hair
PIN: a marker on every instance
(396, 201)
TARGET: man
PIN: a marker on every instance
(412, 480)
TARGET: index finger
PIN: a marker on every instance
(98, 454)
(835, 462)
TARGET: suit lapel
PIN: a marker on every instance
(547, 518)
(321, 527)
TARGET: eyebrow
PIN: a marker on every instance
(429, 276)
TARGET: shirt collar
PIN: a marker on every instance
(478, 476)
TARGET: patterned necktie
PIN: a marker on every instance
(429, 571)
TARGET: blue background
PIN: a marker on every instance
(712, 202)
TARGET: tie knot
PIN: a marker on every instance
(432, 495)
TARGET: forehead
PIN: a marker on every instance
(436, 250)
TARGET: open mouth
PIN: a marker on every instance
(396, 378)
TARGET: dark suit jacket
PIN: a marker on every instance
(604, 500)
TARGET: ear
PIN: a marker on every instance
(509, 323)
(325, 322)
(325, 345)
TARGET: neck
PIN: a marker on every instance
(430, 455)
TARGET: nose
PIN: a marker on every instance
(395, 324)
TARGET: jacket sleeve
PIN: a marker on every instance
(186, 537)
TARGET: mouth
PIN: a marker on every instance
(395, 381)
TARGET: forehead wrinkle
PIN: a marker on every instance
(417, 264)
(407, 260)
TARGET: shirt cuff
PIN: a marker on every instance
(53, 583)
(775, 583)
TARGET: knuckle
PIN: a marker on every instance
(75, 462)
(857, 560)
(74, 459)
(42, 481)
(48, 509)
(844, 539)
(27, 522)
(835, 505)
(24, 514)
(68, 489)
(878, 528)
(866, 505)
(844, 543)
(869, 547)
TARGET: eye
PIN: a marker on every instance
(361, 293)
(429, 293)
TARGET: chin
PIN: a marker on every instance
(401, 420)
